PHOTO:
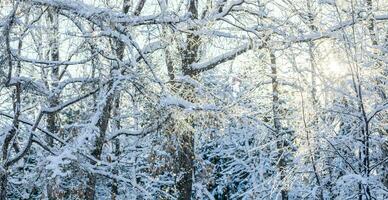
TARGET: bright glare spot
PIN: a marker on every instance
(335, 67)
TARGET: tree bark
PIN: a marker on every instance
(116, 152)
(102, 125)
(103, 122)
(281, 142)
(52, 119)
(16, 101)
(314, 98)
(380, 84)
(186, 156)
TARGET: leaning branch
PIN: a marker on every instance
(38, 128)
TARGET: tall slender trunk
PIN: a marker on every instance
(12, 134)
(102, 125)
(52, 119)
(380, 83)
(53, 99)
(114, 97)
(315, 120)
(314, 98)
(311, 152)
(120, 54)
(365, 141)
(9, 137)
(116, 151)
(281, 141)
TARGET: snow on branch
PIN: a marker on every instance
(139, 132)
(333, 29)
(170, 100)
(70, 102)
(90, 12)
(29, 123)
(50, 63)
(211, 63)
(378, 109)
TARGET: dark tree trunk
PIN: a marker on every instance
(52, 119)
(106, 115)
(186, 156)
(186, 165)
(3, 186)
(281, 143)
(116, 152)
(16, 101)
(102, 124)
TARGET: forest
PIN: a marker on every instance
(194, 99)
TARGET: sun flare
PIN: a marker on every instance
(336, 67)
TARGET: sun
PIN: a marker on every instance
(335, 67)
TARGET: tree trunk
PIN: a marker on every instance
(16, 101)
(186, 156)
(3, 186)
(281, 142)
(106, 114)
(314, 98)
(116, 152)
(186, 165)
(102, 125)
(53, 99)
(380, 83)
